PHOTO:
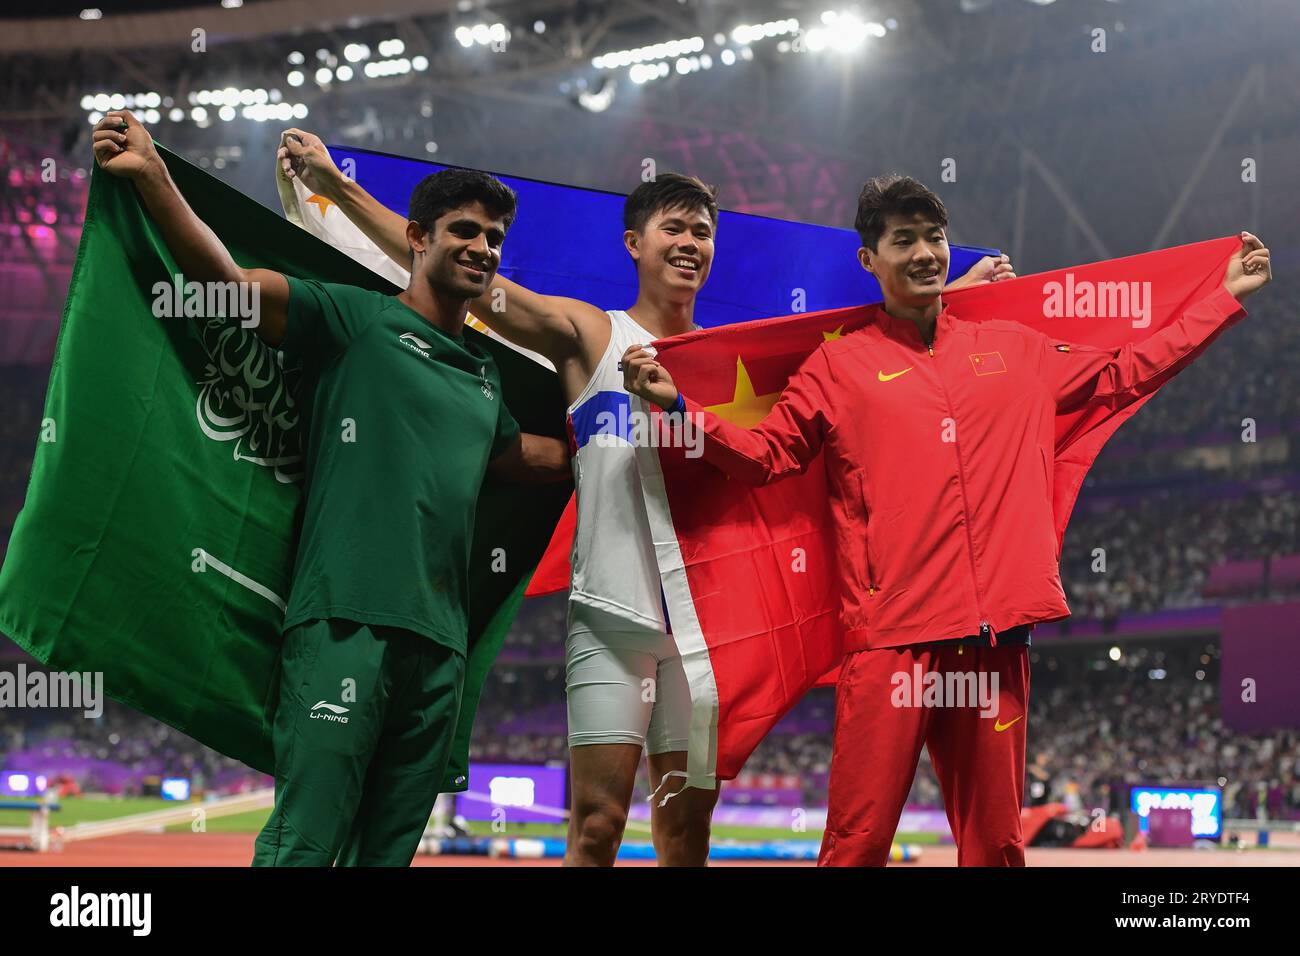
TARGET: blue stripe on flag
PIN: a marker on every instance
(589, 421)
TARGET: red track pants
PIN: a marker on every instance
(979, 760)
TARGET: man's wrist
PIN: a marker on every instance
(153, 173)
(340, 190)
(678, 404)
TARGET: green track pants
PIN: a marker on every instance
(362, 734)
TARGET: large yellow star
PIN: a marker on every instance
(321, 202)
(832, 336)
(745, 409)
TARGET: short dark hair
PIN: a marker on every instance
(439, 193)
(894, 195)
(669, 191)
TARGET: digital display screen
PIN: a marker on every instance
(513, 793)
(1206, 805)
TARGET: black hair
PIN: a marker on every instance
(883, 196)
(669, 191)
(439, 193)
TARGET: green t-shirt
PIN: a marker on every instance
(400, 420)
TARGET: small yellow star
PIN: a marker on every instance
(832, 336)
(321, 202)
(746, 408)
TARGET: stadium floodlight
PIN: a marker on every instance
(92, 13)
(299, 111)
(296, 58)
(419, 63)
(355, 52)
(87, 102)
(539, 26)
(464, 37)
(748, 33)
(324, 75)
(176, 114)
(599, 99)
(199, 114)
(669, 50)
(232, 4)
(1115, 653)
(344, 73)
(728, 57)
(227, 113)
(95, 118)
(294, 78)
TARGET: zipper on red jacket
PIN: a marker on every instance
(985, 629)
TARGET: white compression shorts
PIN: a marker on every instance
(625, 684)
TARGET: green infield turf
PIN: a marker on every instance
(84, 809)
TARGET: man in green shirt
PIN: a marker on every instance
(403, 417)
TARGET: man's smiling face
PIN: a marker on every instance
(464, 251)
(910, 261)
(675, 249)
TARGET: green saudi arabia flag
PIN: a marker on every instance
(157, 538)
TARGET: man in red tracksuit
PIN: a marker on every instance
(938, 439)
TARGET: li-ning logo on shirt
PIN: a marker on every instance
(486, 386)
(326, 711)
(415, 344)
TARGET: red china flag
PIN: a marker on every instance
(748, 573)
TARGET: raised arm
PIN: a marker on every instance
(784, 443)
(1082, 376)
(123, 147)
(551, 325)
(303, 156)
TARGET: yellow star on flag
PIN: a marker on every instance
(321, 202)
(745, 409)
(832, 336)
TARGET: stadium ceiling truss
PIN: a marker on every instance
(1008, 111)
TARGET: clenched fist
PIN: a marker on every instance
(647, 379)
(1249, 269)
(303, 156)
(123, 146)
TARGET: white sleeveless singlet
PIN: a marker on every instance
(613, 558)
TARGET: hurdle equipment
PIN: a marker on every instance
(34, 836)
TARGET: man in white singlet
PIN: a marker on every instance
(627, 691)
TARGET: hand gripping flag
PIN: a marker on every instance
(156, 540)
(754, 632)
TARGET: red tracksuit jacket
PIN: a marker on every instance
(939, 461)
